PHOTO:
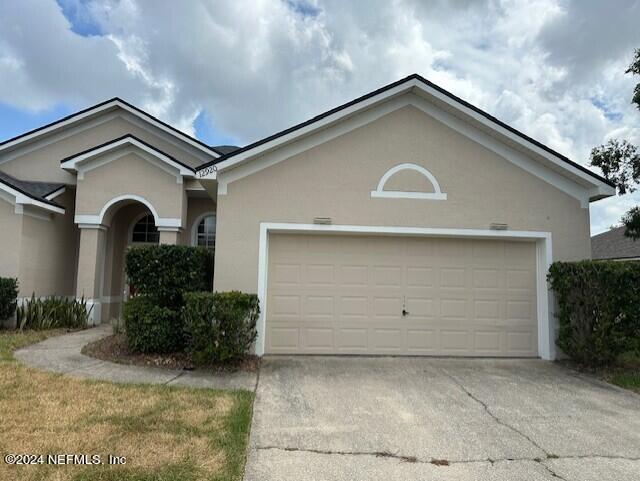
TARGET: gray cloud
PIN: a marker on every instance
(552, 68)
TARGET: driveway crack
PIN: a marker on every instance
(436, 461)
(493, 416)
(377, 454)
(174, 378)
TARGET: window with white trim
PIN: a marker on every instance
(206, 232)
(145, 231)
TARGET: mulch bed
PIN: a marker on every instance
(114, 349)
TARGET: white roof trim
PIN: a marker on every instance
(598, 188)
(437, 193)
(74, 163)
(23, 199)
(105, 106)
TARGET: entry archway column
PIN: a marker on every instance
(90, 276)
(169, 235)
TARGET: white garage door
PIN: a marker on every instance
(330, 294)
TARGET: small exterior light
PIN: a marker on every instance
(498, 226)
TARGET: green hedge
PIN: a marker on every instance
(151, 328)
(165, 272)
(598, 309)
(220, 326)
(8, 296)
(160, 276)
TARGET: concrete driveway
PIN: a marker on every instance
(324, 418)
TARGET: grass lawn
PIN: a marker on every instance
(165, 433)
(626, 374)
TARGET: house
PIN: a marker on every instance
(404, 222)
(613, 245)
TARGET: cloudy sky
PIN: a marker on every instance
(235, 71)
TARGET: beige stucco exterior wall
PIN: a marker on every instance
(41, 161)
(9, 239)
(335, 179)
(48, 252)
(130, 175)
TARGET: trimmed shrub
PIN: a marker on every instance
(52, 312)
(8, 296)
(598, 309)
(165, 272)
(151, 328)
(220, 326)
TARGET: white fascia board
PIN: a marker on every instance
(546, 173)
(85, 159)
(602, 188)
(23, 199)
(320, 124)
(102, 108)
(421, 87)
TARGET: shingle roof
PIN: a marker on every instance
(33, 189)
(614, 244)
(225, 149)
(390, 86)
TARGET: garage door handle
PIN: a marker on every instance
(405, 312)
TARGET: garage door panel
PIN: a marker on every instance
(354, 275)
(345, 294)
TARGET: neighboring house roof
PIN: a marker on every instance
(402, 86)
(226, 149)
(72, 162)
(107, 106)
(613, 244)
(34, 193)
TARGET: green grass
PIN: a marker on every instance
(628, 380)
(165, 433)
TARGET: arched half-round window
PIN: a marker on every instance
(205, 233)
(145, 231)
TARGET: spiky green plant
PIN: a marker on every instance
(53, 312)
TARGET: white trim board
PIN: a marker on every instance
(437, 193)
(544, 258)
(97, 220)
(22, 199)
(88, 161)
(431, 95)
(106, 107)
(229, 173)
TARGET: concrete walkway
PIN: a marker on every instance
(62, 354)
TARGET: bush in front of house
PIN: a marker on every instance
(52, 312)
(598, 309)
(220, 326)
(151, 328)
(160, 276)
(165, 272)
(8, 297)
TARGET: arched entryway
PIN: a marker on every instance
(123, 221)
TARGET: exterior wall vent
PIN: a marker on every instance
(498, 226)
(322, 220)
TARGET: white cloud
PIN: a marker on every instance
(552, 68)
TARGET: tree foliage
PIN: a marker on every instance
(634, 69)
(619, 161)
